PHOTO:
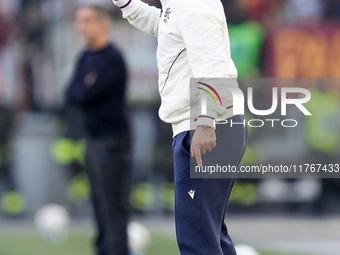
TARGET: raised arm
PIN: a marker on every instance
(140, 15)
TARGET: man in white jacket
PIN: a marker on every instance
(193, 42)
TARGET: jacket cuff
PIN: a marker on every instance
(122, 3)
(206, 120)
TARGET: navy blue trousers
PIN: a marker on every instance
(201, 204)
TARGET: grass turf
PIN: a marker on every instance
(78, 244)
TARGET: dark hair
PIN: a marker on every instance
(101, 11)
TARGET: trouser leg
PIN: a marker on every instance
(109, 174)
(201, 203)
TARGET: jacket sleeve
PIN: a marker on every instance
(140, 15)
(207, 43)
(110, 76)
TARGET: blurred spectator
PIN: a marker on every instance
(234, 11)
(32, 23)
(31, 36)
(9, 7)
(5, 27)
(303, 11)
(5, 114)
(260, 10)
(323, 138)
(263, 11)
(332, 9)
(97, 89)
(6, 119)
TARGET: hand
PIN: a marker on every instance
(203, 141)
(90, 79)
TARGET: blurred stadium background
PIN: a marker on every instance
(42, 150)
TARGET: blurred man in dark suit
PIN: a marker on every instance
(98, 90)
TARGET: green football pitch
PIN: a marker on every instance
(79, 244)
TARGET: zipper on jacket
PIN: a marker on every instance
(166, 80)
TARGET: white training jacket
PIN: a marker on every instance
(193, 42)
